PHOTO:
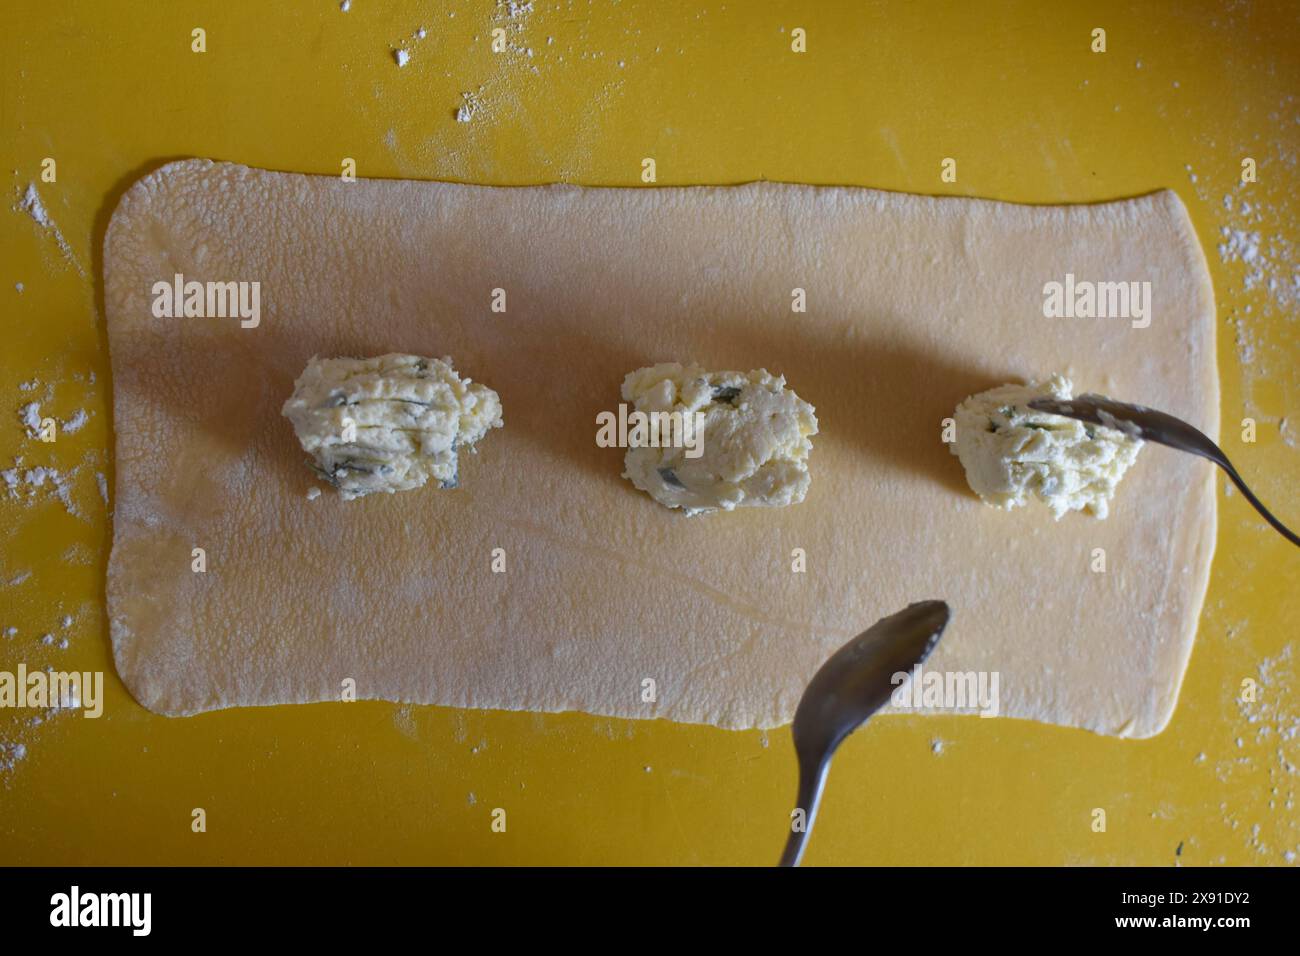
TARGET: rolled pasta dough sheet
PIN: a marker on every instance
(609, 603)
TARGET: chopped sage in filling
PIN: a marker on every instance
(747, 444)
(388, 423)
(1013, 454)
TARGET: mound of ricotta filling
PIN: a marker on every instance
(750, 450)
(388, 423)
(1013, 454)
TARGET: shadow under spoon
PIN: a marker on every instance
(1137, 421)
(853, 684)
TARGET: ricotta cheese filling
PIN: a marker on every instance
(751, 449)
(1013, 454)
(388, 423)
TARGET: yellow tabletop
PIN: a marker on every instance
(96, 93)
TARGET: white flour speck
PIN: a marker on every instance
(74, 424)
(470, 108)
(1271, 745)
(31, 204)
(33, 482)
(30, 416)
(402, 57)
(10, 754)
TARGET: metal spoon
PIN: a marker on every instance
(1137, 421)
(852, 685)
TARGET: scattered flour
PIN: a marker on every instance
(1239, 245)
(1260, 293)
(32, 483)
(10, 755)
(345, 5)
(74, 424)
(30, 203)
(470, 108)
(30, 416)
(78, 554)
(1268, 261)
(1269, 732)
(504, 93)
(402, 57)
(313, 494)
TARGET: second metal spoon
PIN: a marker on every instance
(853, 684)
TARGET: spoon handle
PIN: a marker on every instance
(1278, 526)
(1161, 428)
(812, 778)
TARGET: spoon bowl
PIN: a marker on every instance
(853, 684)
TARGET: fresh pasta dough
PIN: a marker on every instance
(548, 582)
